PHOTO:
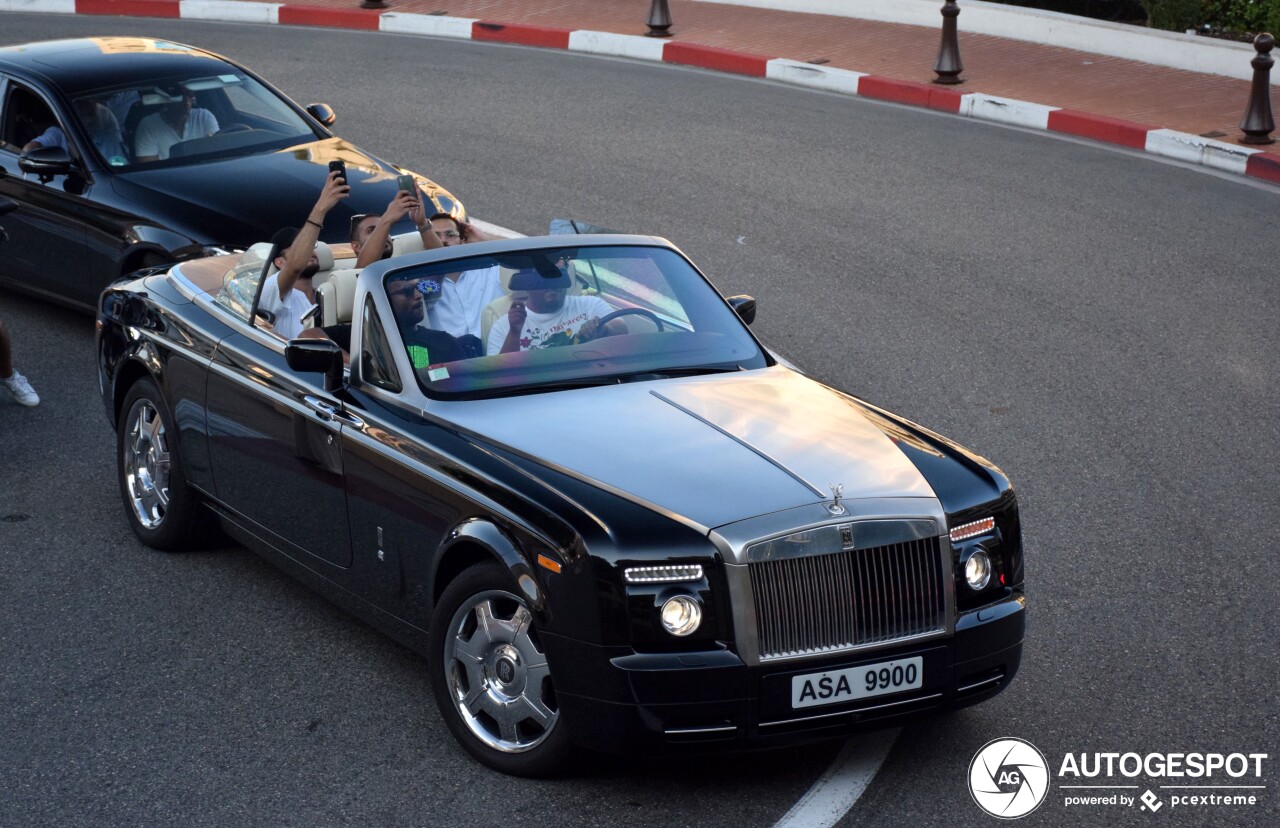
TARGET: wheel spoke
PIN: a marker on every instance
(527, 707)
(507, 718)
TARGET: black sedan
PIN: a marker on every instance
(129, 152)
(619, 524)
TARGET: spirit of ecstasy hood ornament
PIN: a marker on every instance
(835, 507)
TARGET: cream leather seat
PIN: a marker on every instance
(337, 297)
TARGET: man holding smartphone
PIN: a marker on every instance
(289, 294)
(407, 202)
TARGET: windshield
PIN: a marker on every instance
(570, 316)
(185, 120)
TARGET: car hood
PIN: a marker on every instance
(241, 201)
(714, 450)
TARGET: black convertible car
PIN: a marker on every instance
(129, 152)
(624, 525)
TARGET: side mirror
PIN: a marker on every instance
(317, 356)
(45, 162)
(322, 113)
(744, 306)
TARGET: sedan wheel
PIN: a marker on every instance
(492, 680)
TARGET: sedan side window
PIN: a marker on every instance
(26, 117)
(377, 364)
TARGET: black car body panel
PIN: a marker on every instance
(397, 493)
(76, 232)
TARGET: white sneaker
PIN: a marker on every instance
(21, 389)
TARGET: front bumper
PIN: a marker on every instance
(616, 700)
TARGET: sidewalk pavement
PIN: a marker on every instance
(1171, 112)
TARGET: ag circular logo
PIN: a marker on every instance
(1008, 778)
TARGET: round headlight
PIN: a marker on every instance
(977, 570)
(681, 615)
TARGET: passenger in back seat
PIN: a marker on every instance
(376, 243)
(464, 294)
(289, 294)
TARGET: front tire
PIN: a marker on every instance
(164, 512)
(491, 678)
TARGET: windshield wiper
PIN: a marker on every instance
(667, 373)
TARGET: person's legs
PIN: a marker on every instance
(6, 353)
(11, 379)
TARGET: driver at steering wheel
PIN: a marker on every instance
(547, 316)
(179, 121)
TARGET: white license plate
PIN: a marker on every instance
(857, 682)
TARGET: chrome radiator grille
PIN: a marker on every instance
(828, 603)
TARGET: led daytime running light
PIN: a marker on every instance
(972, 530)
(663, 574)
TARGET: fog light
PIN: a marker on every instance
(977, 570)
(681, 615)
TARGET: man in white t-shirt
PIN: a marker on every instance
(551, 317)
(177, 122)
(289, 294)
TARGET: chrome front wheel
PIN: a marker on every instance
(492, 680)
(498, 676)
(145, 464)
(164, 512)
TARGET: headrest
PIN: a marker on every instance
(408, 243)
(324, 255)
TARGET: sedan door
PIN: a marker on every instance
(275, 445)
(46, 237)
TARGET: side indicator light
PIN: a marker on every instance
(547, 563)
(972, 530)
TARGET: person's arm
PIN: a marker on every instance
(591, 328)
(146, 146)
(515, 323)
(51, 137)
(418, 214)
(208, 123)
(403, 204)
(471, 233)
(304, 244)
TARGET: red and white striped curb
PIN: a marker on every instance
(1182, 146)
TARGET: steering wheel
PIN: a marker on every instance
(230, 128)
(650, 315)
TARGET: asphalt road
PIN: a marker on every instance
(1100, 324)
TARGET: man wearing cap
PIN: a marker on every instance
(289, 294)
(410, 296)
(551, 317)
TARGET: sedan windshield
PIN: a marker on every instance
(179, 121)
(565, 317)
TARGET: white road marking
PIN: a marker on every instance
(835, 792)
(742, 239)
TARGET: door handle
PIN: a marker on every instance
(324, 409)
(329, 412)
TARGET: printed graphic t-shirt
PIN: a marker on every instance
(547, 330)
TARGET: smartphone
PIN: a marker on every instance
(339, 167)
(406, 183)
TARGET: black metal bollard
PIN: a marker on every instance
(1258, 123)
(948, 65)
(659, 19)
